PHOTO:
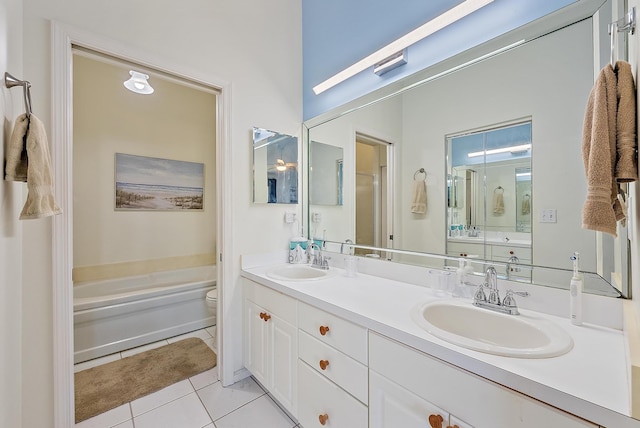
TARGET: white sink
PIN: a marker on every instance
(299, 273)
(483, 330)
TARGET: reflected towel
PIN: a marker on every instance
(419, 198)
(526, 206)
(601, 209)
(40, 202)
(626, 143)
(498, 203)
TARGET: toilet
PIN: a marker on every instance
(212, 301)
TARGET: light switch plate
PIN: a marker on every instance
(549, 215)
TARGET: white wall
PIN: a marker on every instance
(11, 201)
(254, 45)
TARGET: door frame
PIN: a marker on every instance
(63, 37)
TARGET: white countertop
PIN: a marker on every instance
(589, 381)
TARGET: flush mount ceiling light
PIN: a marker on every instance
(280, 165)
(449, 17)
(513, 149)
(138, 83)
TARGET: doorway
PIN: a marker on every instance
(373, 195)
(62, 154)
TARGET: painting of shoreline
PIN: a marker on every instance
(144, 183)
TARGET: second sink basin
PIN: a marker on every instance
(299, 273)
(483, 330)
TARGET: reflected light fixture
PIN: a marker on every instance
(513, 149)
(394, 48)
(280, 165)
(138, 83)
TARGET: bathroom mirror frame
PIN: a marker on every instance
(548, 275)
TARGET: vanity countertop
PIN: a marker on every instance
(589, 381)
(491, 241)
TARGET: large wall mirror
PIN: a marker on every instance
(275, 167)
(531, 94)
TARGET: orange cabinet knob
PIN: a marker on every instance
(324, 364)
(436, 421)
(323, 419)
(266, 317)
(324, 330)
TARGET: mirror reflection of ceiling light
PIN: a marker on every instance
(512, 149)
(138, 83)
(280, 165)
(439, 22)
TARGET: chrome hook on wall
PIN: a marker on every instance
(625, 24)
(10, 82)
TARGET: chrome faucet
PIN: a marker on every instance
(349, 243)
(492, 300)
(513, 260)
(320, 261)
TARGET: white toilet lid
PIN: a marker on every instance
(213, 294)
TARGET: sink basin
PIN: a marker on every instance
(299, 273)
(483, 330)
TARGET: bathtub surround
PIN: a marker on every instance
(108, 386)
(140, 267)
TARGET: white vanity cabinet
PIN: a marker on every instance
(332, 370)
(407, 386)
(271, 341)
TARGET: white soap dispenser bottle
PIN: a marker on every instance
(575, 291)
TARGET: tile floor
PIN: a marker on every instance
(199, 402)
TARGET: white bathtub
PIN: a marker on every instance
(117, 314)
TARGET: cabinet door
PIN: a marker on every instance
(391, 406)
(457, 423)
(256, 342)
(283, 362)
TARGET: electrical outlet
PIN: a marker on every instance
(289, 217)
(549, 215)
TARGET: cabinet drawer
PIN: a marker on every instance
(457, 423)
(271, 300)
(471, 249)
(319, 398)
(346, 372)
(334, 331)
(458, 391)
(503, 252)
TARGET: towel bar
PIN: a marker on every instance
(10, 82)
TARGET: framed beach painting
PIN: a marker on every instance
(154, 184)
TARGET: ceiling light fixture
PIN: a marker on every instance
(391, 63)
(138, 83)
(512, 149)
(280, 165)
(449, 17)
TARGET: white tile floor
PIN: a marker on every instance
(199, 402)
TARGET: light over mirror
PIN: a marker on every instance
(275, 167)
(525, 202)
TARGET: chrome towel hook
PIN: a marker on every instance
(10, 82)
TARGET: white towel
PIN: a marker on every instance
(419, 199)
(498, 203)
(40, 201)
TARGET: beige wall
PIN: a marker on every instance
(11, 202)
(175, 122)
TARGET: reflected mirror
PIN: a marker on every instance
(488, 176)
(542, 78)
(275, 167)
(325, 171)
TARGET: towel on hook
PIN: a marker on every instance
(526, 205)
(498, 203)
(40, 201)
(419, 199)
(602, 208)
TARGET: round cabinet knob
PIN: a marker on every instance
(324, 330)
(266, 317)
(511, 252)
(324, 364)
(323, 419)
(436, 421)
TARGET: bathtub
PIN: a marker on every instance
(117, 314)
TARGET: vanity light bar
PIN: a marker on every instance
(449, 17)
(395, 61)
(512, 149)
